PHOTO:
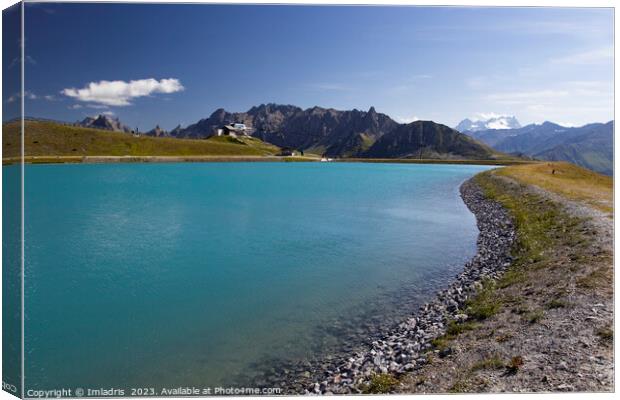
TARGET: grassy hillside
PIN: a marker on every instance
(568, 180)
(51, 139)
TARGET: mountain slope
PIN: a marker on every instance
(590, 146)
(593, 150)
(426, 139)
(338, 133)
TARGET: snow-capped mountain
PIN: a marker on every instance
(488, 121)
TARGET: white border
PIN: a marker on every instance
(448, 3)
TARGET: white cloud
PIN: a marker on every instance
(75, 107)
(573, 102)
(120, 93)
(28, 95)
(527, 97)
(329, 87)
(407, 120)
(595, 56)
(567, 124)
(485, 116)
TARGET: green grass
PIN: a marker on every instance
(540, 225)
(556, 303)
(493, 362)
(485, 303)
(51, 139)
(380, 383)
(454, 328)
(511, 277)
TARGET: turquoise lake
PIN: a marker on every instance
(162, 275)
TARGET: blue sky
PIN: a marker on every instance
(442, 64)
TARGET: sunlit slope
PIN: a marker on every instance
(52, 139)
(568, 180)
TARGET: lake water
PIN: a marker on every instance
(162, 275)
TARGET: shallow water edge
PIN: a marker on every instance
(402, 348)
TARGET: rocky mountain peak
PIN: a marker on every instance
(157, 132)
(105, 122)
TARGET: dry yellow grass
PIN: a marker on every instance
(568, 180)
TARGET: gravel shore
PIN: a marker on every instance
(403, 350)
(552, 329)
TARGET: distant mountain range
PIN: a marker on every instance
(356, 133)
(336, 133)
(491, 122)
(589, 146)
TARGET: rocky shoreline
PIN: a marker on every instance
(405, 349)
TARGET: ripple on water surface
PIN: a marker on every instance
(195, 274)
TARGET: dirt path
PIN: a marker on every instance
(551, 322)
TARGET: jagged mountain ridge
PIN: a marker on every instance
(330, 131)
(104, 122)
(336, 133)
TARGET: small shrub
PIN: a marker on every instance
(503, 338)
(595, 278)
(440, 343)
(460, 386)
(381, 383)
(514, 364)
(535, 316)
(485, 304)
(555, 303)
(606, 334)
(489, 363)
(512, 276)
(454, 328)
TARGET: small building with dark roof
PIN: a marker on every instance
(235, 129)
